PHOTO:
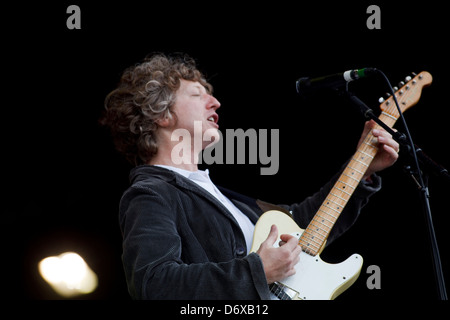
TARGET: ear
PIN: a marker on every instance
(167, 120)
(163, 121)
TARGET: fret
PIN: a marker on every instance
(370, 145)
(361, 173)
(369, 155)
(328, 220)
(363, 163)
(308, 239)
(316, 232)
(357, 180)
(388, 115)
(339, 204)
(317, 228)
(364, 157)
(331, 209)
(326, 212)
(346, 184)
(335, 195)
(310, 251)
(312, 236)
(319, 243)
(308, 244)
(343, 191)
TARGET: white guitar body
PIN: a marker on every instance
(318, 280)
(314, 278)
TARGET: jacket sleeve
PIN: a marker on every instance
(152, 251)
(304, 212)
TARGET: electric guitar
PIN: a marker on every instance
(314, 278)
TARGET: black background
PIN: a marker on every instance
(63, 179)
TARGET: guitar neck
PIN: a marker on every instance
(315, 235)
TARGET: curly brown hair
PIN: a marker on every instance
(146, 93)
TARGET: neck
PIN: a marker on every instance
(167, 162)
(179, 154)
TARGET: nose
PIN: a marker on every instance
(213, 103)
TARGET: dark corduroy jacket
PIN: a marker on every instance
(179, 242)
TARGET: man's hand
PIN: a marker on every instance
(388, 149)
(279, 262)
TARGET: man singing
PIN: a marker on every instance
(183, 236)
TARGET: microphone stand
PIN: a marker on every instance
(422, 185)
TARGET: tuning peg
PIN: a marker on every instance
(395, 88)
(408, 78)
(381, 100)
(401, 84)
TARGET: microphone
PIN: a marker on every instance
(307, 85)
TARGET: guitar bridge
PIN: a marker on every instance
(282, 292)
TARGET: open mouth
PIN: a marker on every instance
(214, 118)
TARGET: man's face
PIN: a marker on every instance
(193, 105)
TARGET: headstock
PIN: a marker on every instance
(408, 94)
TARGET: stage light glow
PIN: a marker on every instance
(68, 274)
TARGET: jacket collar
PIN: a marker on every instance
(143, 172)
(245, 204)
